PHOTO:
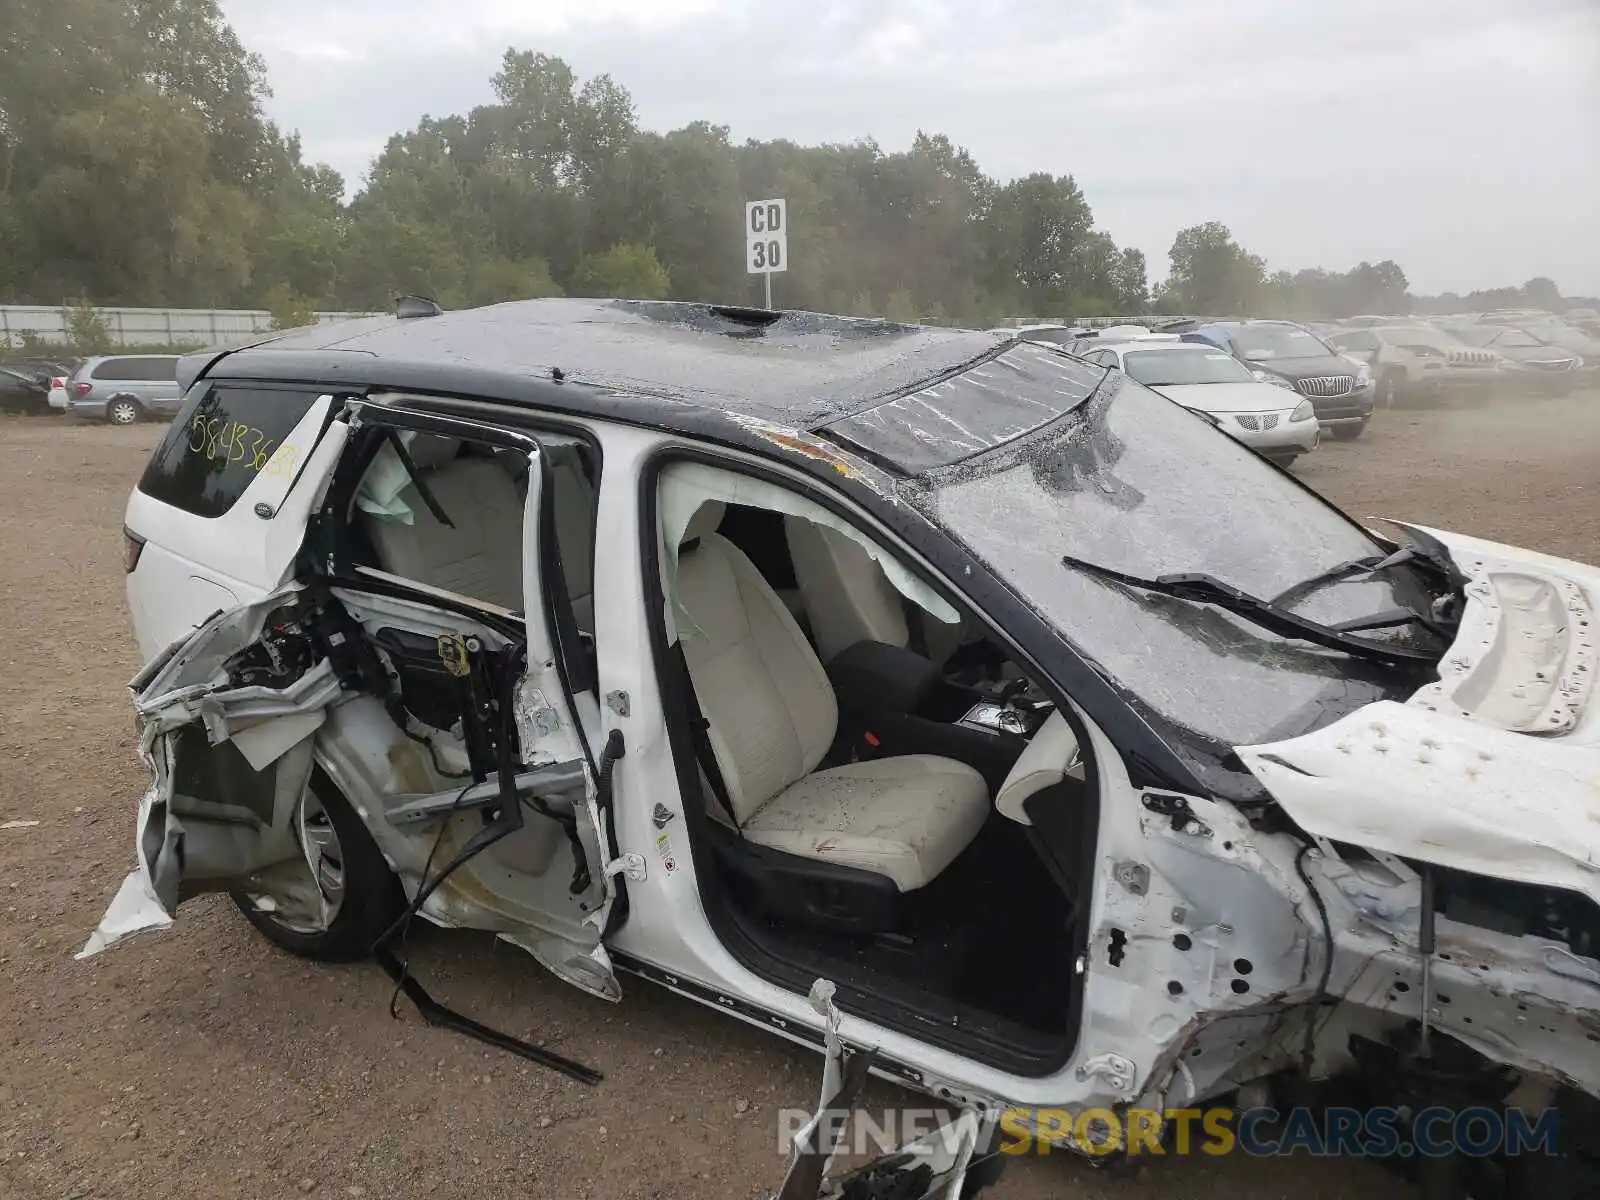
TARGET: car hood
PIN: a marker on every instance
(1305, 368)
(1534, 353)
(1494, 768)
(1574, 343)
(1248, 396)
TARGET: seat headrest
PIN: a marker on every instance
(430, 450)
(705, 520)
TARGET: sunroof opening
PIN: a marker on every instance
(747, 316)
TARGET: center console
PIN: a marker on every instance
(893, 701)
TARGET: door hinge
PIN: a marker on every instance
(1176, 809)
(617, 702)
(629, 864)
(1133, 876)
(1117, 1071)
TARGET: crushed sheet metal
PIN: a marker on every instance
(1447, 790)
(795, 367)
(135, 907)
(1524, 657)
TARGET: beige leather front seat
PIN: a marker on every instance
(848, 599)
(1049, 758)
(772, 716)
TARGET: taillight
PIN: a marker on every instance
(83, 389)
(132, 547)
(58, 382)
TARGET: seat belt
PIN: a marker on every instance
(699, 729)
(423, 490)
(916, 631)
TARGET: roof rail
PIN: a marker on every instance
(407, 307)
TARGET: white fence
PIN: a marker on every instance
(146, 326)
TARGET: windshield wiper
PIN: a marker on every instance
(1370, 565)
(1366, 568)
(1207, 589)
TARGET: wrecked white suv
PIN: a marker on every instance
(1091, 761)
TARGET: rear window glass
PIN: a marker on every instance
(150, 370)
(219, 444)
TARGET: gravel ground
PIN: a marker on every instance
(204, 1063)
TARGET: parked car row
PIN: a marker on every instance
(1414, 360)
(119, 388)
(1273, 385)
(1398, 359)
(32, 384)
(1439, 355)
(1271, 418)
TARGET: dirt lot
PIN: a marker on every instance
(203, 1063)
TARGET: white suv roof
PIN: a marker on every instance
(1145, 341)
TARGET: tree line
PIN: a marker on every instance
(138, 167)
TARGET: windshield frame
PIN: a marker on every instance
(1206, 753)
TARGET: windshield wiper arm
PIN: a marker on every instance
(1370, 565)
(1207, 589)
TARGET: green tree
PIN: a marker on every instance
(627, 270)
(155, 178)
(1541, 292)
(902, 306)
(1040, 250)
(1212, 274)
(678, 192)
(87, 331)
(495, 280)
(1130, 282)
(290, 310)
(132, 151)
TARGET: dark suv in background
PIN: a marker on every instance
(1339, 388)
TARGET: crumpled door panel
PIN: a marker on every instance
(229, 744)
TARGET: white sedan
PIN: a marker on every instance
(1275, 421)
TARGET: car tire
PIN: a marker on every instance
(123, 411)
(371, 896)
(1391, 388)
(1349, 433)
(1283, 460)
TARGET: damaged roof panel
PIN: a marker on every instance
(796, 368)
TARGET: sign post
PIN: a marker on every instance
(766, 240)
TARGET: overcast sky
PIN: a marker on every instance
(1459, 137)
